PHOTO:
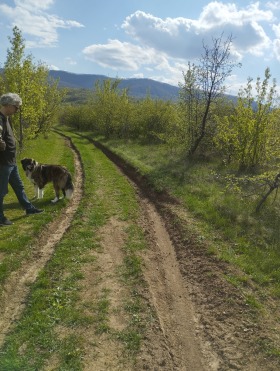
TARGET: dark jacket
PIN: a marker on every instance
(8, 156)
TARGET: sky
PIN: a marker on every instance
(144, 38)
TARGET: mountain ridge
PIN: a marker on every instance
(137, 87)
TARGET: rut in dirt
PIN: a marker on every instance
(169, 296)
(16, 288)
(222, 325)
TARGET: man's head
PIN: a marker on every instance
(10, 102)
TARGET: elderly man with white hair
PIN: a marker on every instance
(10, 104)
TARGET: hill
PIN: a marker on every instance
(79, 83)
(138, 88)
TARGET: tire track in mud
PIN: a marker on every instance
(174, 344)
(170, 298)
(226, 330)
(16, 288)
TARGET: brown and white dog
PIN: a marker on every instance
(41, 174)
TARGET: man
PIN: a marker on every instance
(10, 104)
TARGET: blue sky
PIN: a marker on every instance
(144, 38)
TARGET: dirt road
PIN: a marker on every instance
(202, 321)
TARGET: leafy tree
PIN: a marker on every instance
(156, 121)
(273, 139)
(203, 84)
(112, 108)
(53, 97)
(190, 106)
(72, 115)
(250, 136)
(41, 97)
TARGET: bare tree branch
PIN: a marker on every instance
(272, 186)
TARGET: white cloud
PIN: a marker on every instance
(276, 29)
(164, 46)
(53, 67)
(276, 42)
(182, 37)
(161, 47)
(30, 17)
(70, 61)
(121, 55)
(138, 76)
(276, 49)
(217, 13)
(176, 37)
(274, 5)
(32, 5)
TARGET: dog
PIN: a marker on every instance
(41, 174)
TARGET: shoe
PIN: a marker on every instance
(5, 222)
(33, 211)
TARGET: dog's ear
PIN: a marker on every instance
(24, 163)
(28, 164)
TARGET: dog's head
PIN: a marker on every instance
(28, 164)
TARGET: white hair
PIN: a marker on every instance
(12, 99)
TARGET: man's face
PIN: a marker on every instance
(13, 109)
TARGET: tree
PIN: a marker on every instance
(203, 84)
(40, 96)
(53, 97)
(156, 120)
(250, 135)
(190, 105)
(273, 184)
(111, 108)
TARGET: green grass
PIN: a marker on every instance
(15, 240)
(220, 214)
(54, 298)
(227, 218)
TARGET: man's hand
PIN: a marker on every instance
(2, 145)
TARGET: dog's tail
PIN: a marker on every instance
(69, 187)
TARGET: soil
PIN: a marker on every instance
(202, 322)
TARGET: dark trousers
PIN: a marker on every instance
(9, 175)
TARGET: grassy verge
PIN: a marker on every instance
(227, 218)
(54, 327)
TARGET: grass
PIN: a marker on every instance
(224, 216)
(54, 302)
(226, 219)
(248, 240)
(15, 240)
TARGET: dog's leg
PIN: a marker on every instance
(69, 193)
(56, 189)
(36, 191)
(40, 193)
